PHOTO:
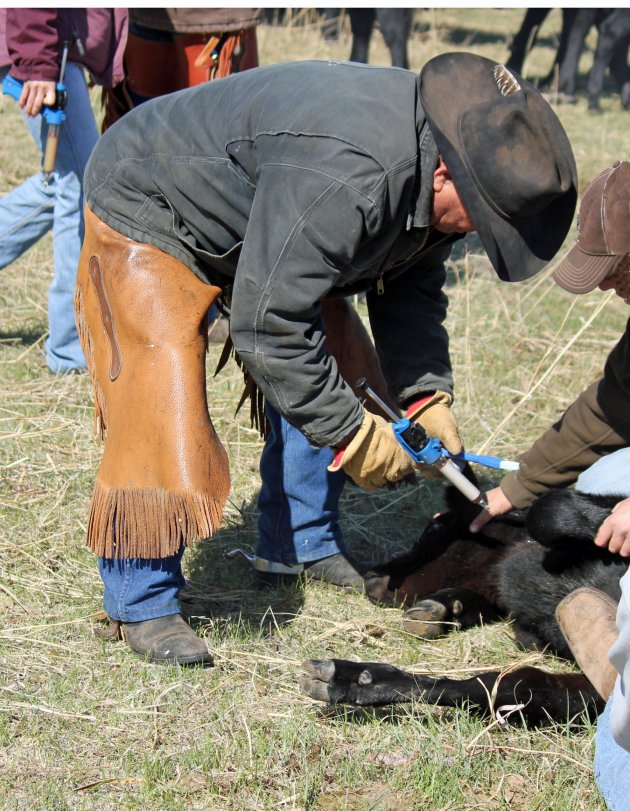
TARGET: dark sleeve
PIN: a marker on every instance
(33, 43)
(407, 325)
(303, 228)
(596, 424)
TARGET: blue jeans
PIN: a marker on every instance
(612, 765)
(299, 522)
(32, 209)
(609, 475)
(299, 498)
(137, 589)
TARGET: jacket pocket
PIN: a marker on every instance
(157, 214)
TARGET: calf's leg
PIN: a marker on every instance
(534, 695)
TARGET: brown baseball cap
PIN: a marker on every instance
(603, 232)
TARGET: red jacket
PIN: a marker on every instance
(35, 37)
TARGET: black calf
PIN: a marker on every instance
(455, 579)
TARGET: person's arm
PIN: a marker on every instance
(582, 436)
(407, 322)
(596, 424)
(303, 229)
(407, 318)
(33, 45)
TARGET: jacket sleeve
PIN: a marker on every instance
(302, 230)
(33, 43)
(407, 325)
(596, 424)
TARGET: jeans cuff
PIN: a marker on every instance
(324, 549)
(142, 614)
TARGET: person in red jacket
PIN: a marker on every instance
(31, 44)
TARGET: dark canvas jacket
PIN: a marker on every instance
(596, 424)
(292, 183)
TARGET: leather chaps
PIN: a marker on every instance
(141, 316)
(142, 319)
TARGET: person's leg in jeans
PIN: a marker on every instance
(299, 509)
(299, 498)
(612, 765)
(142, 598)
(137, 589)
(609, 475)
(31, 210)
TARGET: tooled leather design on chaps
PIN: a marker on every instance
(107, 318)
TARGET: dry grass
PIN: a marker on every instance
(83, 724)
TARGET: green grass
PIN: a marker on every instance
(86, 725)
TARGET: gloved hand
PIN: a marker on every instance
(374, 457)
(435, 416)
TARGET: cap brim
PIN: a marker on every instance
(581, 272)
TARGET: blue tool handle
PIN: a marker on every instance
(428, 453)
(12, 87)
(488, 461)
(54, 116)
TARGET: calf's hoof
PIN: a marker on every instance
(166, 640)
(430, 619)
(377, 591)
(337, 681)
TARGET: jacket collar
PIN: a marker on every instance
(421, 205)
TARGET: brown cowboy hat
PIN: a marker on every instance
(508, 155)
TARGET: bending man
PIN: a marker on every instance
(279, 188)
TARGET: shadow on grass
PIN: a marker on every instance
(389, 714)
(23, 337)
(226, 590)
(470, 36)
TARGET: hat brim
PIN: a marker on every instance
(581, 272)
(516, 248)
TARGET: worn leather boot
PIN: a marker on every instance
(586, 618)
(338, 570)
(166, 639)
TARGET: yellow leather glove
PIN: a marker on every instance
(374, 457)
(435, 416)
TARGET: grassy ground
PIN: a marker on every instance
(84, 724)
